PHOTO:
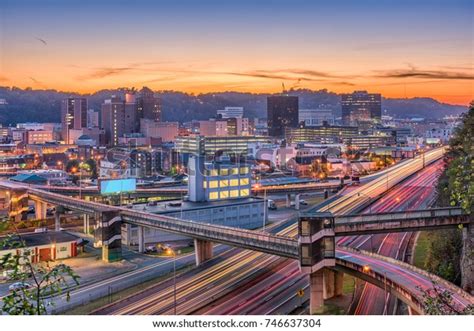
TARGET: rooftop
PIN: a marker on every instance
(173, 206)
(43, 238)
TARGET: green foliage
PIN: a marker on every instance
(44, 280)
(438, 301)
(458, 187)
(455, 188)
(444, 255)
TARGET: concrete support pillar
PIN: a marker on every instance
(203, 251)
(86, 219)
(316, 291)
(141, 239)
(108, 235)
(57, 221)
(338, 283)
(40, 210)
(329, 281)
(288, 200)
(297, 201)
(333, 283)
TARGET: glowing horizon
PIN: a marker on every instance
(399, 50)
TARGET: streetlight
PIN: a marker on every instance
(171, 251)
(265, 204)
(385, 290)
(366, 268)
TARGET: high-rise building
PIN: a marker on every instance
(73, 115)
(282, 112)
(360, 106)
(148, 105)
(113, 119)
(231, 112)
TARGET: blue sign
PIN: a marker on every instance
(117, 186)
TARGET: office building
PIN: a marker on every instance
(92, 118)
(217, 180)
(148, 105)
(73, 116)
(167, 131)
(315, 117)
(320, 134)
(231, 112)
(282, 112)
(213, 145)
(113, 120)
(361, 107)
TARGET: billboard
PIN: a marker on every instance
(117, 186)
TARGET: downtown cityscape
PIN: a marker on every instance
(246, 165)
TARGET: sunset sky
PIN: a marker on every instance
(397, 48)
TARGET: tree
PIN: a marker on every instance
(43, 279)
(450, 254)
(438, 301)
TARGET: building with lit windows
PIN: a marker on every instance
(217, 180)
(361, 107)
(320, 134)
(235, 145)
(73, 116)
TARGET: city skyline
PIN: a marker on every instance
(380, 47)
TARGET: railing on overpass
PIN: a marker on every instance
(412, 296)
(435, 218)
(255, 240)
(68, 202)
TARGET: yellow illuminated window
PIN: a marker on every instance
(234, 171)
(244, 181)
(234, 193)
(244, 193)
(224, 183)
(234, 182)
(244, 170)
(213, 184)
(204, 184)
(224, 194)
(214, 172)
(224, 172)
(213, 196)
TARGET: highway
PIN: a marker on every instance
(416, 193)
(195, 292)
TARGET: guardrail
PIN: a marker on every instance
(449, 286)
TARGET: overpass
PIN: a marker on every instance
(401, 279)
(284, 246)
(110, 218)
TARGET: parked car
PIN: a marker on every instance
(19, 286)
(151, 249)
(41, 230)
(152, 203)
(272, 205)
(303, 202)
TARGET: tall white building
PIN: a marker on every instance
(231, 112)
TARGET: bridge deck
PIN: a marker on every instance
(435, 218)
